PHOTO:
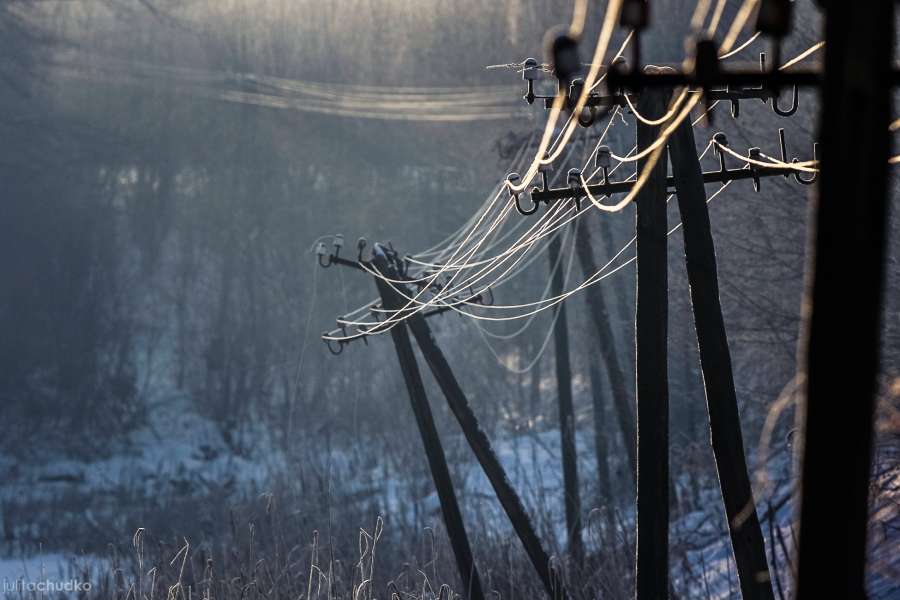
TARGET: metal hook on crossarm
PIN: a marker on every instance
(796, 172)
(325, 259)
(530, 74)
(783, 146)
(329, 343)
(773, 19)
(735, 105)
(322, 255)
(812, 178)
(755, 154)
(795, 103)
(514, 179)
(573, 178)
(720, 140)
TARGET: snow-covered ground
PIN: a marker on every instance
(180, 454)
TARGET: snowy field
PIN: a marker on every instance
(181, 454)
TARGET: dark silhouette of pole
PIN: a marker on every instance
(490, 464)
(652, 376)
(601, 445)
(437, 461)
(566, 411)
(606, 347)
(842, 310)
(747, 541)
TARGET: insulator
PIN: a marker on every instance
(603, 158)
(562, 52)
(576, 89)
(706, 59)
(530, 72)
(635, 14)
(774, 18)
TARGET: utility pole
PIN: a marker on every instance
(490, 464)
(566, 410)
(601, 445)
(601, 318)
(747, 541)
(652, 376)
(385, 262)
(842, 310)
(437, 461)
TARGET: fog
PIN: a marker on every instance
(168, 169)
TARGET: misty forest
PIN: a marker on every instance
(354, 300)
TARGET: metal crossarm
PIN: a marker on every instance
(621, 187)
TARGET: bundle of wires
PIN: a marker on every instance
(455, 272)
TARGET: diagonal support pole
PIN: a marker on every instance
(490, 464)
(437, 461)
(601, 318)
(566, 410)
(651, 324)
(747, 540)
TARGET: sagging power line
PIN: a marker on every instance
(661, 100)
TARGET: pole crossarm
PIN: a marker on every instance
(621, 187)
(633, 80)
(629, 80)
(389, 269)
(726, 94)
(339, 337)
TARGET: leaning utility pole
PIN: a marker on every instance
(842, 309)
(566, 410)
(394, 286)
(602, 320)
(747, 541)
(437, 461)
(601, 444)
(490, 464)
(651, 323)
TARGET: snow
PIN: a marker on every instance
(180, 452)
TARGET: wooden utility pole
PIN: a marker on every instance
(437, 461)
(652, 376)
(601, 318)
(601, 445)
(566, 411)
(747, 539)
(490, 464)
(842, 311)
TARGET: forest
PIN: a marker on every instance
(174, 176)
